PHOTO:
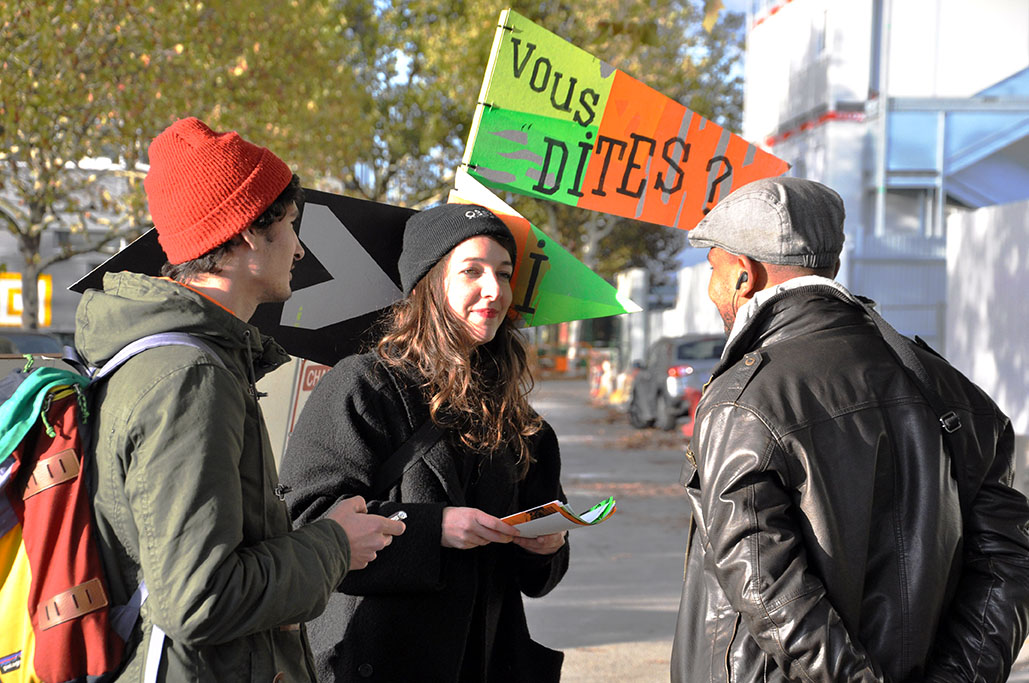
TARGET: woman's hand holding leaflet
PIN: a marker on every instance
(465, 528)
(543, 545)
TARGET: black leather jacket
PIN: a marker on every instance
(827, 540)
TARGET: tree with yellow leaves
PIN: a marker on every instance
(85, 85)
(371, 99)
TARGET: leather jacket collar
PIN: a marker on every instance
(775, 314)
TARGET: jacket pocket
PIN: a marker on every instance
(530, 662)
(232, 662)
(688, 475)
(689, 479)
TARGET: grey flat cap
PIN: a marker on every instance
(782, 221)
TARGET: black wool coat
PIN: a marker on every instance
(419, 611)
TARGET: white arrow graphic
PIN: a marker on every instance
(358, 284)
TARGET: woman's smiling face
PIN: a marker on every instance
(478, 285)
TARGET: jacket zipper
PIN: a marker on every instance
(251, 375)
(265, 484)
(728, 648)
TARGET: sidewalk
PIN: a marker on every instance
(614, 614)
(638, 662)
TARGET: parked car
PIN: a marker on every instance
(23, 341)
(668, 383)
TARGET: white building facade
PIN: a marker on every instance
(917, 113)
(953, 135)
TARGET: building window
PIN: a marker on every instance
(820, 31)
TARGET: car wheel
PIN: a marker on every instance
(665, 417)
(636, 417)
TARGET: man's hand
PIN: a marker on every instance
(543, 545)
(465, 528)
(367, 534)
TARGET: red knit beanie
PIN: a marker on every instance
(204, 187)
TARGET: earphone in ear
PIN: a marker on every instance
(743, 278)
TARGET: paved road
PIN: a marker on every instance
(614, 613)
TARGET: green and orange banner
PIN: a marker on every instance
(550, 285)
(556, 123)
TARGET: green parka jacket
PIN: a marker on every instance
(185, 495)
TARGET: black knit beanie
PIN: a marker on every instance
(430, 235)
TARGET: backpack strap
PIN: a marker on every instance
(72, 357)
(412, 450)
(902, 349)
(154, 653)
(150, 342)
(125, 616)
(422, 439)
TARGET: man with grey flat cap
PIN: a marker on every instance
(836, 532)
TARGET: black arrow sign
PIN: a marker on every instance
(341, 287)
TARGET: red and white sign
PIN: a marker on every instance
(309, 375)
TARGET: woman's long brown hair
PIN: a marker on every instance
(479, 392)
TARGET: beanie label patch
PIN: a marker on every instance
(472, 214)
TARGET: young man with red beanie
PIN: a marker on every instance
(185, 482)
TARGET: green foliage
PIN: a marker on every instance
(373, 99)
(65, 79)
(83, 79)
(278, 72)
(101, 79)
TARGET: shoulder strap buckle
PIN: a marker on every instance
(950, 421)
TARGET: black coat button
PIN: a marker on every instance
(365, 670)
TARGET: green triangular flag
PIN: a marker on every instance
(550, 285)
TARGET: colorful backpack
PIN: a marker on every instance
(56, 620)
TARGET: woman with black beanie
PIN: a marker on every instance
(446, 386)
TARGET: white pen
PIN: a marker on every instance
(398, 516)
